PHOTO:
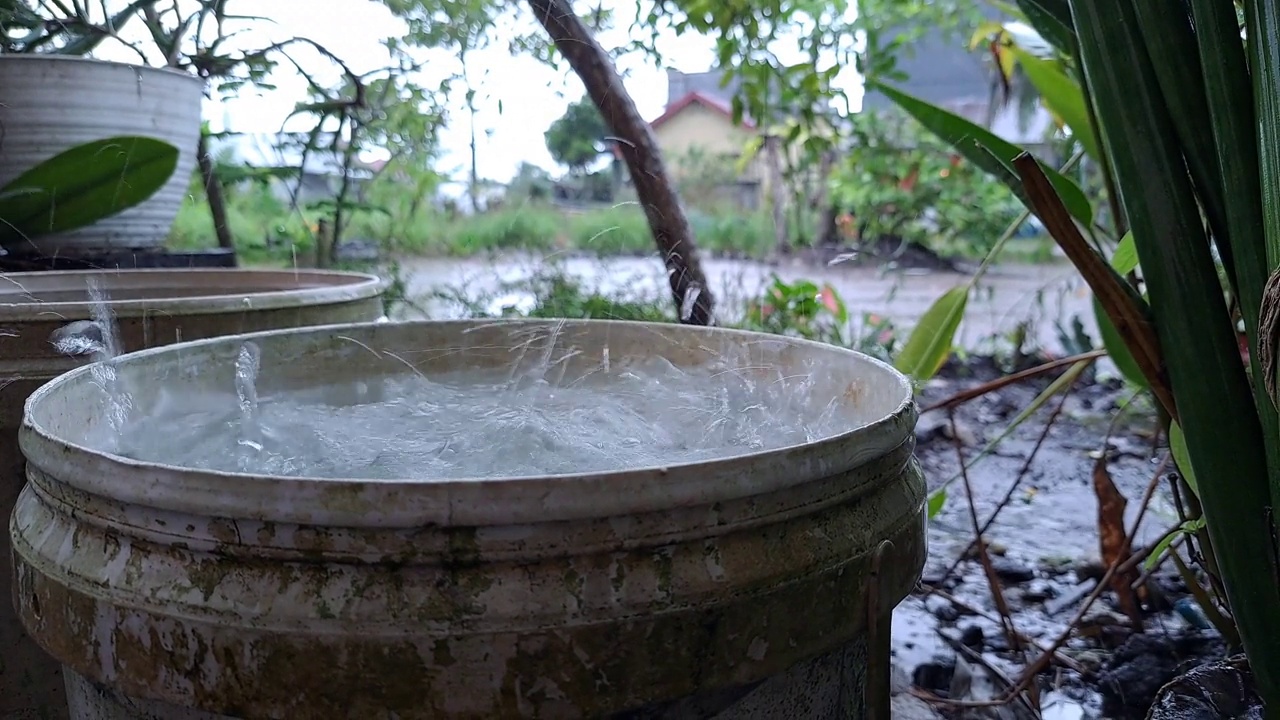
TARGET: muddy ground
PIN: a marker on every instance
(1045, 550)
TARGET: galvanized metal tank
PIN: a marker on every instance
(753, 587)
(153, 308)
(50, 103)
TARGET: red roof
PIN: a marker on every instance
(706, 101)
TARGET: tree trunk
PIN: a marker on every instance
(323, 246)
(777, 193)
(662, 207)
(213, 191)
(473, 180)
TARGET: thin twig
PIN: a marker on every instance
(997, 594)
(972, 609)
(974, 393)
(1013, 487)
(996, 673)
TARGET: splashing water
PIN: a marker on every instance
(99, 338)
(248, 362)
(536, 417)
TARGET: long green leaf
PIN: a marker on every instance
(984, 149)
(1166, 28)
(1189, 527)
(1223, 433)
(937, 501)
(1061, 94)
(933, 337)
(1243, 153)
(1116, 349)
(1263, 21)
(1181, 458)
(1125, 258)
(83, 185)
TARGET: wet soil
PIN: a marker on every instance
(1045, 549)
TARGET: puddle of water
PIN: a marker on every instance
(1009, 294)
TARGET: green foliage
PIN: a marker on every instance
(505, 231)
(559, 296)
(798, 309)
(59, 29)
(747, 36)
(801, 308)
(577, 138)
(988, 151)
(930, 343)
(903, 183)
(83, 185)
(1184, 120)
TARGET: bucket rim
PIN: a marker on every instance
(346, 286)
(474, 501)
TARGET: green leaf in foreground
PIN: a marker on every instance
(984, 149)
(932, 338)
(83, 185)
(1181, 458)
(1117, 349)
(1125, 259)
(1188, 527)
(937, 500)
(1062, 94)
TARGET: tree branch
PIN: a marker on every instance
(639, 148)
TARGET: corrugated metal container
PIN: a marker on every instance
(757, 586)
(153, 308)
(49, 104)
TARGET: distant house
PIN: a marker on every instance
(941, 70)
(700, 142)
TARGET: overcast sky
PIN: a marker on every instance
(532, 95)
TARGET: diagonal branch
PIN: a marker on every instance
(639, 148)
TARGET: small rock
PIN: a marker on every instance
(972, 637)
(960, 432)
(1012, 571)
(941, 608)
(1070, 599)
(1090, 660)
(936, 675)
(1039, 591)
(932, 427)
(933, 577)
(994, 549)
(1090, 570)
(1224, 689)
(1130, 680)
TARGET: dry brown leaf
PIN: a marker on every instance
(1115, 541)
(1110, 290)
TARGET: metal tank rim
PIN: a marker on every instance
(461, 502)
(69, 59)
(353, 286)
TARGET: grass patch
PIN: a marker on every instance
(266, 230)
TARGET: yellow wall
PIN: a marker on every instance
(697, 126)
